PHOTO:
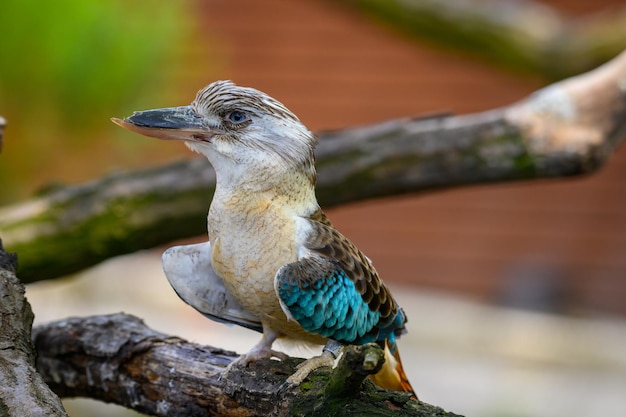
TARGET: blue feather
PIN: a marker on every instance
(323, 299)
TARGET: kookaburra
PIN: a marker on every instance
(274, 262)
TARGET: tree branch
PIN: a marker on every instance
(22, 392)
(568, 128)
(116, 358)
(529, 36)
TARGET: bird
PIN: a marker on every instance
(273, 261)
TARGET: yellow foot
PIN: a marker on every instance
(308, 366)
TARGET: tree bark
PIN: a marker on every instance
(526, 35)
(116, 358)
(22, 392)
(567, 128)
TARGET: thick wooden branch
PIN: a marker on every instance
(22, 391)
(524, 35)
(116, 358)
(568, 128)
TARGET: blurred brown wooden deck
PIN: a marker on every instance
(335, 68)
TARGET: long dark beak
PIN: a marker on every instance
(172, 123)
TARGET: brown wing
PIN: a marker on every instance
(325, 240)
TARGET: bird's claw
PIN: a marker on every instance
(257, 353)
(303, 369)
(253, 355)
(286, 386)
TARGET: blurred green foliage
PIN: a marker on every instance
(81, 58)
(67, 66)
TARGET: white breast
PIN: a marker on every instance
(250, 241)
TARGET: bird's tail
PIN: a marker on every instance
(392, 375)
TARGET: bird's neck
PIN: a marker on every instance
(293, 190)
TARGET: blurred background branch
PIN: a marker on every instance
(73, 227)
(527, 36)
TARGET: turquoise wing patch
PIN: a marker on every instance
(323, 299)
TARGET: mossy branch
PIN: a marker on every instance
(527, 36)
(568, 128)
(116, 358)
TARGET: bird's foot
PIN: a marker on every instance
(331, 351)
(256, 353)
(262, 350)
(310, 365)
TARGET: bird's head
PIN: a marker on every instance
(242, 131)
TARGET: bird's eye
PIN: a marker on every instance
(237, 117)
